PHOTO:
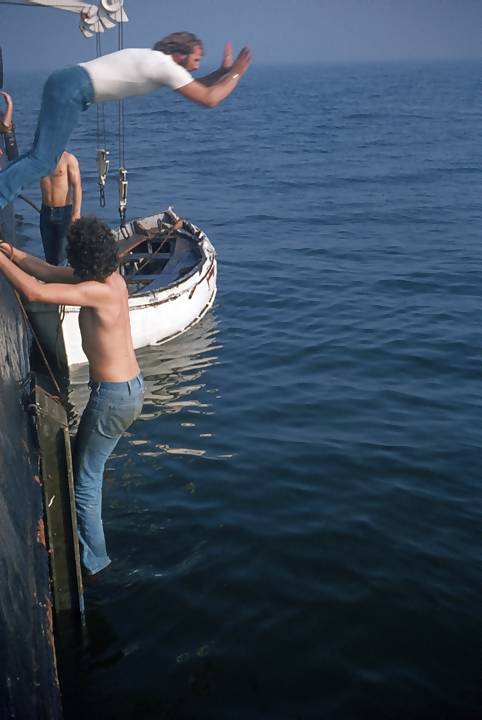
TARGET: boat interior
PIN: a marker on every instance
(152, 258)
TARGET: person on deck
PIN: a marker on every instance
(117, 388)
(61, 203)
(118, 75)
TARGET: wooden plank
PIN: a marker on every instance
(128, 244)
(143, 278)
(59, 505)
(143, 234)
(143, 256)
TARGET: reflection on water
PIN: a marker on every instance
(172, 376)
(173, 372)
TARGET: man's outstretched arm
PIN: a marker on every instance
(210, 95)
(37, 267)
(88, 293)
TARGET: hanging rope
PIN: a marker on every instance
(123, 182)
(120, 43)
(44, 357)
(102, 156)
(29, 202)
(164, 236)
(58, 6)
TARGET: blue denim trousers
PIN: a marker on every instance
(54, 224)
(111, 408)
(66, 94)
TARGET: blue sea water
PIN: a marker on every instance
(295, 520)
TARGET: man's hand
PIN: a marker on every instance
(242, 62)
(6, 248)
(214, 88)
(227, 57)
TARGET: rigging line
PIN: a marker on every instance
(121, 133)
(34, 334)
(168, 235)
(120, 36)
(29, 202)
(100, 106)
(97, 53)
(27, 4)
(102, 153)
(122, 169)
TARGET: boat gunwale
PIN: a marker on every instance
(208, 255)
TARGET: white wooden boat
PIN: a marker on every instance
(170, 269)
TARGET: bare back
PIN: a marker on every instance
(106, 335)
(56, 187)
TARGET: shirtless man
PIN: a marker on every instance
(117, 389)
(61, 201)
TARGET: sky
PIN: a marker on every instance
(278, 31)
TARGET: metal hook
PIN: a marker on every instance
(123, 183)
(102, 160)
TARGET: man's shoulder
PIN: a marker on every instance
(70, 158)
(116, 284)
(168, 70)
(133, 53)
(97, 296)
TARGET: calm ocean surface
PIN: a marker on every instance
(295, 522)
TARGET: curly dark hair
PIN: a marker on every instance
(92, 250)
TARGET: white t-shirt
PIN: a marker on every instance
(135, 71)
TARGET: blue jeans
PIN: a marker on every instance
(66, 94)
(54, 223)
(112, 407)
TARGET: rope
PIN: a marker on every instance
(98, 52)
(44, 357)
(169, 235)
(122, 169)
(100, 106)
(27, 4)
(120, 38)
(29, 202)
(101, 135)
(59, 328)
(121, 133)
